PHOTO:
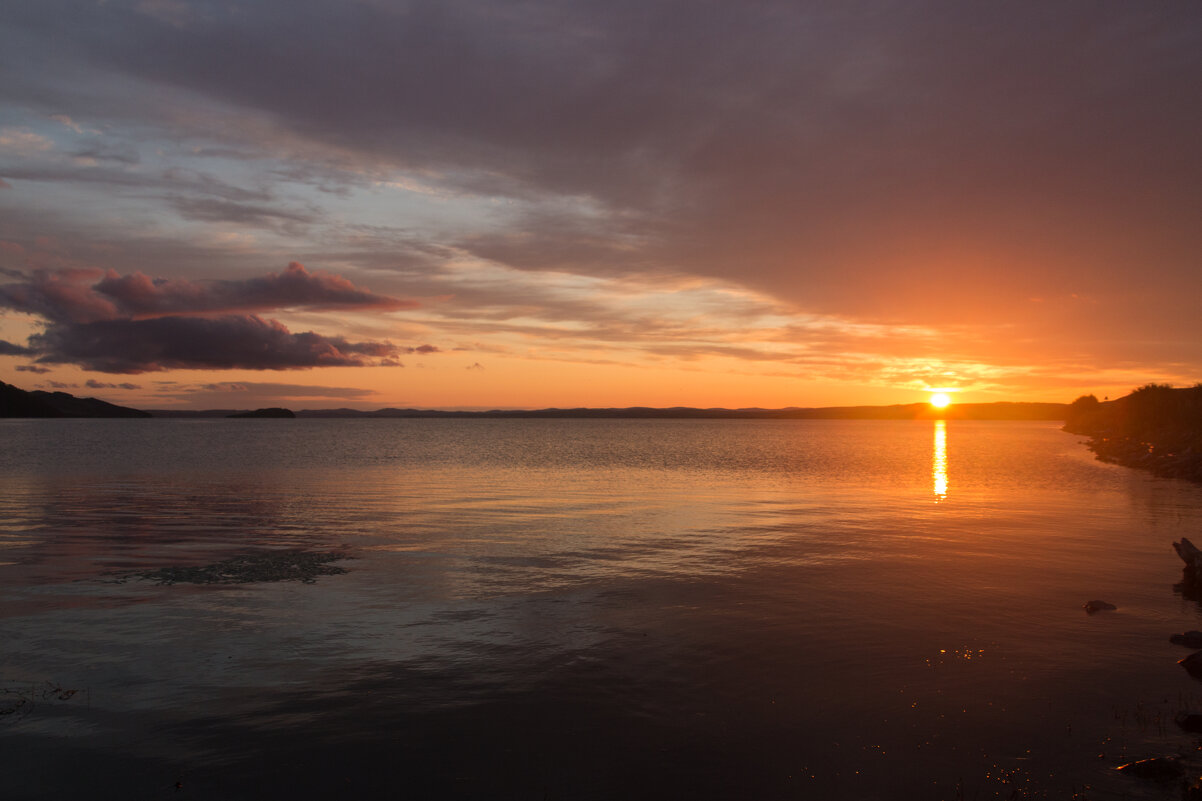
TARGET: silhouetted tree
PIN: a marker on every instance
(1083, 415)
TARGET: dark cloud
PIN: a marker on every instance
(32, 368)
(120, 155)
(134, 324)
(217, 210)
(424, 349)
(92, 383)
(110, 178)
(221, 343)
(84, 296)
(11, 349)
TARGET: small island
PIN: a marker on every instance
(274, 411)
(1156, 428)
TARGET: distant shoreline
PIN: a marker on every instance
(15, 402)
(913, 411)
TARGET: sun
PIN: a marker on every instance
(941, 400)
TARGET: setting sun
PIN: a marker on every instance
(941, 400)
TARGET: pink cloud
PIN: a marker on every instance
(115, 323)
(68, 295)
(232, 342)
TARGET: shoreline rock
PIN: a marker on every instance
(1156, 428)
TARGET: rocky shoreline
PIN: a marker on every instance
(1130, 452)
(1156, 428)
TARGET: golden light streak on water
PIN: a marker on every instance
(939, 461)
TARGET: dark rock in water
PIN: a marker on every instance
(1190, 722)
(1190, 639)
(1098, 606)
(274, 411)
(1193, 664)
(1189, 553)
(304, 566)
(1156, 768)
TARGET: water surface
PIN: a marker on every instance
(587, 609)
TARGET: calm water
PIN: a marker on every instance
(571, 609)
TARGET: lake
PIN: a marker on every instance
(586, 609)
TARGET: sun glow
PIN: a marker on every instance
(941, 400)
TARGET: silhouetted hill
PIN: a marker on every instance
(912, 411)
(274, 412)
(193, 414)
(1156, 428)
(16, 402)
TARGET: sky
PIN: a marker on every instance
(446, 204)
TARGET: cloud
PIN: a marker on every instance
(32, 368)
(11, 349)
(93, 154)
(240, 394)
(134, 324)
(92, 383)
(222, 343)
(475, 366)
(60, 296)
(283, 390)
(70, 123)
(424, 349)
(20, 142)
(218, 210)
(89, 296)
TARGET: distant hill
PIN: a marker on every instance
(192, 414)
(912, 411)
(16, 402)
(275, 412)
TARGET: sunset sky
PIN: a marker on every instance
(373, 203)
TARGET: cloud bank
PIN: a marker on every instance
(135, 324)
(70, 295)
(10, 349)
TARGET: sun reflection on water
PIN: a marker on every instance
(939, 461)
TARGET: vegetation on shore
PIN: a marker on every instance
(1156, 428)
